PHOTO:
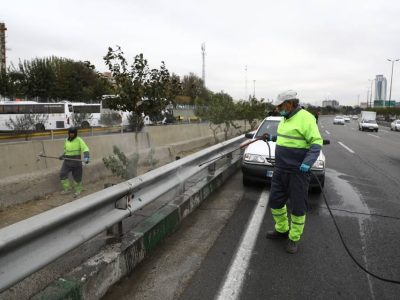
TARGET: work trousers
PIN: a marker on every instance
(291, 186)
(74, 167)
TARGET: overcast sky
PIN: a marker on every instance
(321, 49)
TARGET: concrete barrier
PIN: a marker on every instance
(23, 178)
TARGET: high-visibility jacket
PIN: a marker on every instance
(298, 141)
(75, 148)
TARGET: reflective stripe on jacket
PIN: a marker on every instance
(75, 147)
(298, 141)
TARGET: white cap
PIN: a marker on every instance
(284, 96)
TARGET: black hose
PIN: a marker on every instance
(344, 243)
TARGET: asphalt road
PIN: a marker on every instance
(363, 175)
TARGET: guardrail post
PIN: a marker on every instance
(211, 169)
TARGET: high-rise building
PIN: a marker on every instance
(331, 103)
(2, 47)
(380, 87)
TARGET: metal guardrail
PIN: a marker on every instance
(29, 245)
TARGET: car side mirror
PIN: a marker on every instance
(326, 142)
(248, 135)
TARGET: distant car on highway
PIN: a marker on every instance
(355, 117)
(346, 118)
(257, 162)
(338, 120)
(395, 125)
(368, 125)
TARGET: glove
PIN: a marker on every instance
(61, 157)
(304, 168)
(86, 157)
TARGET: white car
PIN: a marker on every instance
(338, 120)
(346, 118)
(395, 125)
(368, 125)
(355, 117)
(257, 162)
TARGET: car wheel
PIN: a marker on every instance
(85, 124)
(391, 128)
(39, 127)
(376, 130)
(246, 182)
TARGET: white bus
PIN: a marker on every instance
(86, 115)
(105, 109)
(44, 115)
(124, 114)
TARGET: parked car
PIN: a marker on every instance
(346, 118)
(338, 120)
(395, 125)
(368, 125)
(257, 162)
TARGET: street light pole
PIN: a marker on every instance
(391, 78)
(254, 88)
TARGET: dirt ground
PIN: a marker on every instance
(23, 211)
(14, 214)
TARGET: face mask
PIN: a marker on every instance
(283, 113)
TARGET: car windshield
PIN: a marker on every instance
(370, 121)
(268, 126)
(339, 117)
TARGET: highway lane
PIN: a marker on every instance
(362, 176)
(363, 181)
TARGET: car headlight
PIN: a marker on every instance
(254, 158)
(319, 164)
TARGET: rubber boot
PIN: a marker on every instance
(291, 247)
(66, 185)
(78, 189)
(296, 230)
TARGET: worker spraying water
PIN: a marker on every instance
(298, 145)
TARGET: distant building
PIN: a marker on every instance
(380, 87)
(2, 47)
(364, 104)
(331, 103)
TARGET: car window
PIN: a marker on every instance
(268, 126)
(370, 121)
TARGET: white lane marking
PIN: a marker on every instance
(327, 132)
(322, 126)
(345, 147)
(233, 283)
(374, 135)
(353, 128)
